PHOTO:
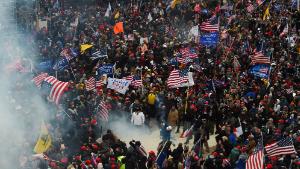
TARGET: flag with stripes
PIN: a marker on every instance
(250, 8)
(260, 58)
(39, 79)
(101, 53)
(185, 52)
(19, 66)
(256, 159)
(102, 111)
(137, 81)
(129, 78)
(188, 132)
(211, 25)
(282, 147)
(226, 163)
(184, 60)
(193, 54)
(99, 83)
(57, 88)
(90, 84)
(175, 79)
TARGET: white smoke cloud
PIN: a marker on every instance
(21, 108)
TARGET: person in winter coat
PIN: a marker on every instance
(173, 117)
(138, 118)
(177, 155)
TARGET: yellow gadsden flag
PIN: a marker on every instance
(84, 47)
(267, 13)
(117, 15)
(174, 3)
(44, 141)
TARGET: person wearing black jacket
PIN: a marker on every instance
(177, 155)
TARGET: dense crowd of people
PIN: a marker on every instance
(225, 95)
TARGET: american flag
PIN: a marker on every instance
(250, 8)
(185, 60)
(66, 53)
(193, 54)
(260, 58)
(187, 55)
(211, 25)
(101, 53)
(39, 79)
(185, 52)
(103, 111)
(175, 79)
(226, 162)
(17, 65)
(282, 147)
(256, 159)
(99, 83)
(57, 88)
(187, 132)
(137, 81)
(90, 84)
(184, 76)
(129, 78)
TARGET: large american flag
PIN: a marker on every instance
(90, 84)
(211, 25)
(57, 88)
(282, 147)
(103, 111)
(39, 79)
(175, 79)
(99, 83)
(260, 58)
(256, 159)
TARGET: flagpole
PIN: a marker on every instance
(142, 81)
(262, 144)
(161, 150)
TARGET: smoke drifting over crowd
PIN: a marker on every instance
(22, 109)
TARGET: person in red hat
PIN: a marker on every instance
(269, 166)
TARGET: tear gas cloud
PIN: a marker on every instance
(21, 108)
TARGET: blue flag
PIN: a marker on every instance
(61, 64)
(161, 158)
(106, 69)
(99, 54)
(44, 66)
(209, 39)
(74, 52)
(173, 61)
(260, 70)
